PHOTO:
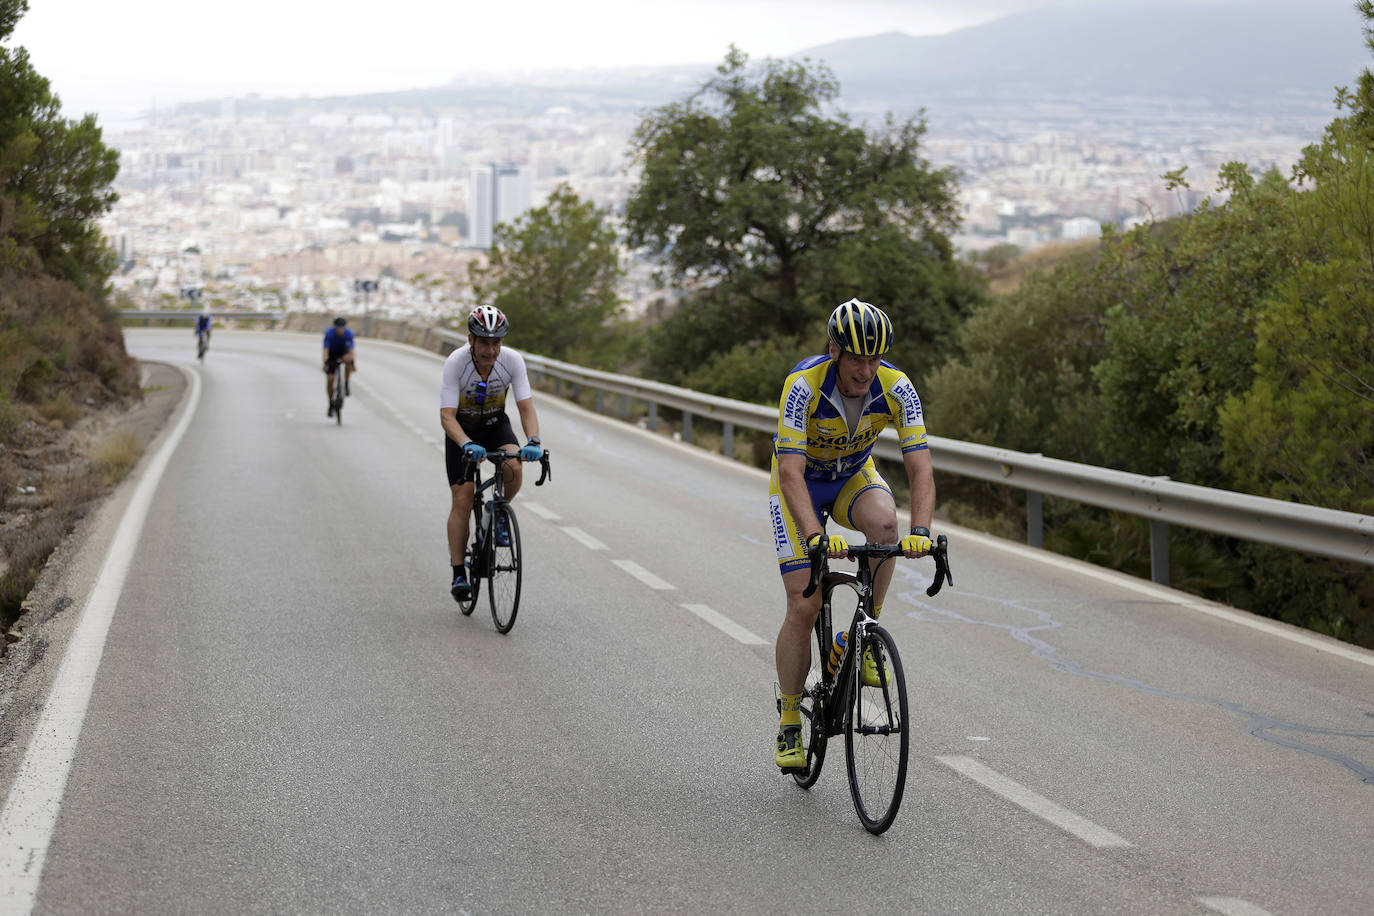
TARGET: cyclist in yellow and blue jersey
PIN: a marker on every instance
(832, 409)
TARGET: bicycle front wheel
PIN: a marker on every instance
(813, 711)
(876, 734)
(503, 591)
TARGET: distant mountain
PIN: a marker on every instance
(1208, 53)
(1213, 53)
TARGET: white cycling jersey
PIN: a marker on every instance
(480, 401)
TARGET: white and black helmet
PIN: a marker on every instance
(487, 321)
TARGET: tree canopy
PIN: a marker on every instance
(770, 210)
(55, 175)
(555, 273)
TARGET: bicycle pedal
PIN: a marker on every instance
(793, 771)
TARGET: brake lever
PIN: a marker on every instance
(545, 473)
(942, 573)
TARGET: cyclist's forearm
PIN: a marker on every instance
(448, 419)
(795, 494)
(921, 478)
(529, 420)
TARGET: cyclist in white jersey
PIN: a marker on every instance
(477, 379)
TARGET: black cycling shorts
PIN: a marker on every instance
(491, 436)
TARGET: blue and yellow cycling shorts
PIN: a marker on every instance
(835, 497)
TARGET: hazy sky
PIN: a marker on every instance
(114, 57)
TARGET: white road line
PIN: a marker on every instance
(35, 798)
(540, 510)
(643, 575)
(1232, 906)
(583, 538)
(726, 625)
(1038, 805)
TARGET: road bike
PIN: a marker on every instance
(338, 372)
(494, 543)
(836, 701)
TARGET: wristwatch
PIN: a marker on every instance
(534, 440)
(921, 530)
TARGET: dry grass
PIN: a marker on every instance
(1008, 277)
(61, 411)
(115, 456)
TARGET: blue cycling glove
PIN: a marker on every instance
(531, 451)
(473, 452)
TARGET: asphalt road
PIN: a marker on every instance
(290, 715)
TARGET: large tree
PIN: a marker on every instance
(55, 175)
(754, 188)
(555, 272)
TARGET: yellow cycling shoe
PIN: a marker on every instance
(869, 671)
(791, 755)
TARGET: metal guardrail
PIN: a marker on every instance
(1163, 502)
(147, 315)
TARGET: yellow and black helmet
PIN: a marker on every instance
(859, 328)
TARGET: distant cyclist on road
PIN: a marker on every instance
(338, 348)
(472, 409)
(203, 327)
(831, 411)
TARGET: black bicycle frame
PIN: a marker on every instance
(834, 689)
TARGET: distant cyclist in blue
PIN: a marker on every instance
(203, 327)
(338, 348)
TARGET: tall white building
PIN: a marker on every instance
(497, 194)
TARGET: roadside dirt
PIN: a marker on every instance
(51, 457)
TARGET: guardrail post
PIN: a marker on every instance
(686, 426)
(624, 407)
(653, 416)
(729, 446)
(600, 401)
(1035, 519)
(1159, 552)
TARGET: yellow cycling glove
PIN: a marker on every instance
(918, 541)
(834, 544)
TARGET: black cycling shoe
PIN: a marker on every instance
(460, 589)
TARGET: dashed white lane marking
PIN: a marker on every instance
(35, 798)
(726, 625)
(540, 510)
(643, 575)
(1232, 906)
(583, 538)
(1038, 805)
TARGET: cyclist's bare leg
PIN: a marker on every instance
(793, 650)
(329, 386)
(513, 473)
(348, 361)
(875, 514)
(460, 511)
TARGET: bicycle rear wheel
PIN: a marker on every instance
(503, 591)
(474, 565)
(338, 394)
(814, 734)
(876, 735)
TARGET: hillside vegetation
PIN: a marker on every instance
(1231, 348)
(62, 354)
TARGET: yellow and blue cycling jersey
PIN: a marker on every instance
(811, 418)
(839, 460)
